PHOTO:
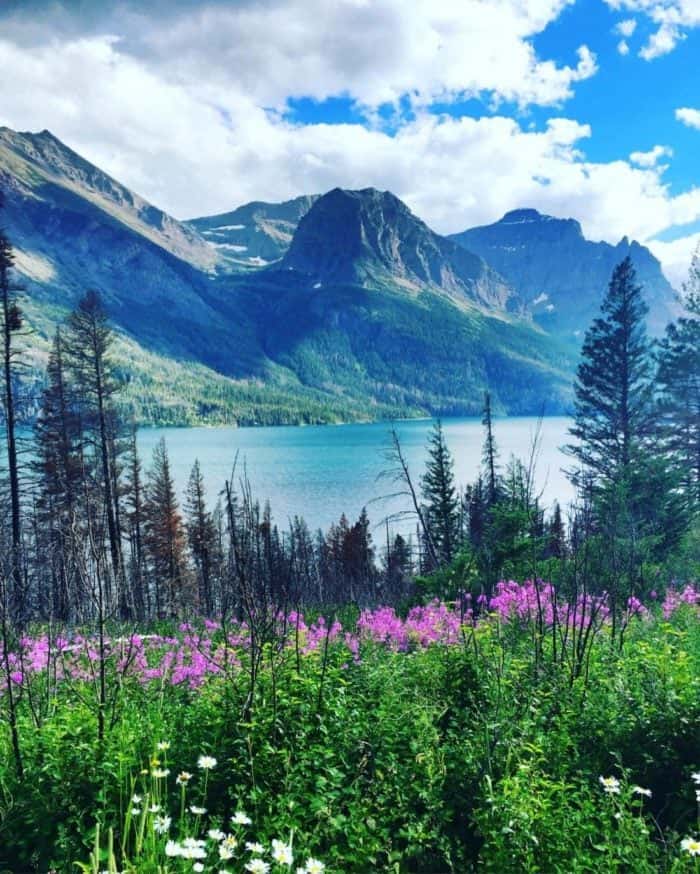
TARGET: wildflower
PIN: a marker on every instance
(163, 746)
(231, 842)
(695, 777)
(240, 818)
(193, 849)
(154, 808)
(281, 853)
(161, 773)
(161, 824)
(206, 763)
(255, 847)
(172, 848)
(225, 853)
(313, 866)
(257, 866)
(197, 811)
(215, 834)
(611, 785)
(198, 866)
(639, 791)
(691, 845)
(183, 778)
(135, 811)
(136, 799)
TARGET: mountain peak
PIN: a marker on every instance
(371, 238)
(44, 167)
(559, 274)
(544, 223)
(254, 234)
(522, 216)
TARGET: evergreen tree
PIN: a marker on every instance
(303, 562)
(359, 560)
(59, 468)
(134, 504)
(397, 568)
(678, 381)
(201, 536)
(490, 455)
(88, 343)
(556, 534)
(477, 512)
(10, 326)
(164, 537)
(440, 496)
(622, 464)
(614, 410)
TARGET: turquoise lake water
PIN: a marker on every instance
(322, 471)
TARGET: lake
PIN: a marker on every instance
(322, 471)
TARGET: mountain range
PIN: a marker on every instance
(324, 308)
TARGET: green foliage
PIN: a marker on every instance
(462, 758)
(449, 582)
(440, 495)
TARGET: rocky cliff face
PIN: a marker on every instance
(559, 274)
(371, 238)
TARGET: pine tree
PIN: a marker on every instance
(397, 567)
(556, 534)
(440, 496)
(164, 536)
(59, 468)
(614, 409)
(358, 559)
(678, 381)
(629, 478)
(477, 511)
(303, 562)
(201, 536)
(88, 343)
(490, 455)
(10, 325)
(134, 505)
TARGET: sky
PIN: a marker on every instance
(463, 108)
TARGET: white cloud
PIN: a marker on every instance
(676, 257)
(375, 51)
(626, 28)
(671, 18)
(623, 48)
(652, 157)
(689, 117)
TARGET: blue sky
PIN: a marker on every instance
(630, 103)
(584, 108)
